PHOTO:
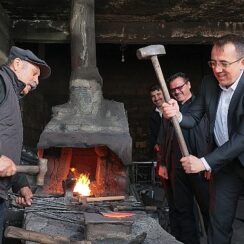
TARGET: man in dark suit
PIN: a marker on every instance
(222, 98)
(155, 119)
(182, 188)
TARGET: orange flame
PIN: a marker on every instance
(82, 184)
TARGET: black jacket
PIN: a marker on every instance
(197, 139)
(207, 102)
(154, 127)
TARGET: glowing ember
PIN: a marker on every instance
(118, 214)
(82, 185)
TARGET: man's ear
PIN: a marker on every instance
(189, 83)
(16, 64)
(242, 62)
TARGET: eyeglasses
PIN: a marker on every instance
(180, 88)
(223, 64)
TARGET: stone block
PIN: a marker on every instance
(99, 227)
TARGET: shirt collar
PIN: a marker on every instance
(234, 85)
(157, 110)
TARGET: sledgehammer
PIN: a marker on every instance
(152, 52)
(40, 170)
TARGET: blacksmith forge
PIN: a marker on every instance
(87, 120)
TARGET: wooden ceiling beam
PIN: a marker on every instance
(135, 31)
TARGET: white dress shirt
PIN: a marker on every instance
(160, 113)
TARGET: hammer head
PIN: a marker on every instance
(42, 171)
(149, 51)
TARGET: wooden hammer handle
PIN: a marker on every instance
(174, 120)
(40, 170)
(28, 169)
(28, 235)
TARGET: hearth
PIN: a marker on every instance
(105, 171)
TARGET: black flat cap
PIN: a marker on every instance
(29, 56)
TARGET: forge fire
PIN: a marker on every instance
(82, 183)
(96, 171)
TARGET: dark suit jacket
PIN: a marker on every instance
(154, 127)
(197, 139)
(207, 101)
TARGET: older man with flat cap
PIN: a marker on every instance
(18, 77)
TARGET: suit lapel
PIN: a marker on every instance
(214, 101)
(235, 99)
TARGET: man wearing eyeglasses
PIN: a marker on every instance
(180, 187)
(17, 78)
(222, 98)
